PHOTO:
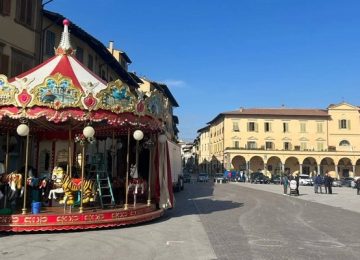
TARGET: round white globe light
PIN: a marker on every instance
(89, 131)
(162, 138)
(23, 130)
(138, 135)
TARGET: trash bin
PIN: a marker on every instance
(35, 207)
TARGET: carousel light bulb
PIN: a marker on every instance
(162, 138)
(23, 130)
(89, 131)
(138, 135)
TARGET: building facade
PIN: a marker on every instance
(20, 35)
(276, 141)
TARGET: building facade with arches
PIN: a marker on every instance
(282, 140)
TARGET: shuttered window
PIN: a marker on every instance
(5, 7)
(4, 62)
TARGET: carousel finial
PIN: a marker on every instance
(65, 45)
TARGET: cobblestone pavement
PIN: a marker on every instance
(342, 197)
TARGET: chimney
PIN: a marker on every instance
(111, 46)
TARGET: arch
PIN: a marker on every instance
(309, 166)
(345, 168)
(238, 163)
(344, 143)
(327, 165)
(256, 164)
(273, 166)
(292, 165)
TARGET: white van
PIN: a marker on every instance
(305, 180)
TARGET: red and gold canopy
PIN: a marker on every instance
(63, 90)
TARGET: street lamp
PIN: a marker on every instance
(88, 133)
(23, 130)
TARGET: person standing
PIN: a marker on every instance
(357, 185)
(328, 183)
(285, 183)
(318, 183)
(297, 184)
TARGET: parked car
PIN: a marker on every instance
(305, 180)
(220, 177)
(276, 179)
(187, 177)
(336, 183)
(259, 177)
(346, 181)
(203, 177)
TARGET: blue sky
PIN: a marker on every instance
(220, 55)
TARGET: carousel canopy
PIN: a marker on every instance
(62, 89)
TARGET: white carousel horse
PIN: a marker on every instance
(57, 179)
(136, 185)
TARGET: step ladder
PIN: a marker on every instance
(106, 194)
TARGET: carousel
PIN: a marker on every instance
(79, 153)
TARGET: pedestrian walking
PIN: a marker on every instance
(285, 183)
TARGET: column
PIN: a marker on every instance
(337, 172)
(318, 169)
(300, 169)
(354, 169)
(283, 168)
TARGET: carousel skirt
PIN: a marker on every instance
(57, 218)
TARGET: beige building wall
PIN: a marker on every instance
(310, 142)
(19, 37)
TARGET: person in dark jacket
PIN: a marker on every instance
(318, 183)
(357, 183)
(328, 183)
(297, 183)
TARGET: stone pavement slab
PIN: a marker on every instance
(342, 197)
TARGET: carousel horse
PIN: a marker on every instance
(14, 180)
(71, 185)
(56, 177)
(136, 185)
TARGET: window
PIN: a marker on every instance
(50, 43)
(79, 54)
(285, 127)
(20, 62)
(5, 7)
(303, 146)
(24, 12)
(320, 146)
(236, 144)
(302, 127)
(344, 143)
(4, 62)
(251, 145)
(344, 124)
(269, 145)
(90, 62)
(267, 127)
(319, 127)
(236, 127)
(252, 127)
(287, 146)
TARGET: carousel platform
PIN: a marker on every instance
(58, 219)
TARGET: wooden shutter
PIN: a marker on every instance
(5, 7)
